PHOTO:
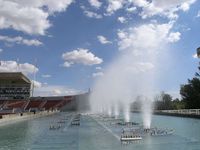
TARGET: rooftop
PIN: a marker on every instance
(14, 77)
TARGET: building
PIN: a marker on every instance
(14, 86)
(15, 89)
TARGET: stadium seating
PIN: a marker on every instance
(34, 104)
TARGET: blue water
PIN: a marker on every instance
(90, 135)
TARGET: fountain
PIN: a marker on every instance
(132, 73)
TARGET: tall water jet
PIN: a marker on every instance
(134, 70)
(109, 112)
(126, 111)
(147, 107)
(116, 111)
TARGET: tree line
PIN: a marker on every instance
(190, 96)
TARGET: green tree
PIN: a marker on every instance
(163, 101)
(190, 92)
(177, 104)
(167, 101)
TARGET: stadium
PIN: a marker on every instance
(15, 97)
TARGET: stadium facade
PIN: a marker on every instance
(15, 90)
(14, 86)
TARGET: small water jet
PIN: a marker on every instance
(116, 111)
(126, 111)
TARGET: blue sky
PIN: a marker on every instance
(41, 36)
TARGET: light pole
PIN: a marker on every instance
(34, 77)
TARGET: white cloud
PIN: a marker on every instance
(162, 7)
(55, 90)
(1, 50)
(20, 40)
(67, 64)
(98, 68)
(91, 14)
(146, 8)
(174, 37)
(36, 84)
(185, 7)
(29, 16)
(195, 56)
(95, 3)
(56, 6)
(140, 3)
(80, 56)
(13, 66)
(46, 75)
(122, 34)
(131, 9)
(198, 14)
(121, 19)
(133, 37)
(103, 40)
(114, 5)
(97, 74)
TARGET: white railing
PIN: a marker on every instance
(181, 111)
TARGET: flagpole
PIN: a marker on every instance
(18, 70)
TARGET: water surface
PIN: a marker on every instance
(90, 135)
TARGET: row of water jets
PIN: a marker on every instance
(124, 110)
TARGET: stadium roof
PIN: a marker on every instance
(14, 76)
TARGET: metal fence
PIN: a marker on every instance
(181, 111)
